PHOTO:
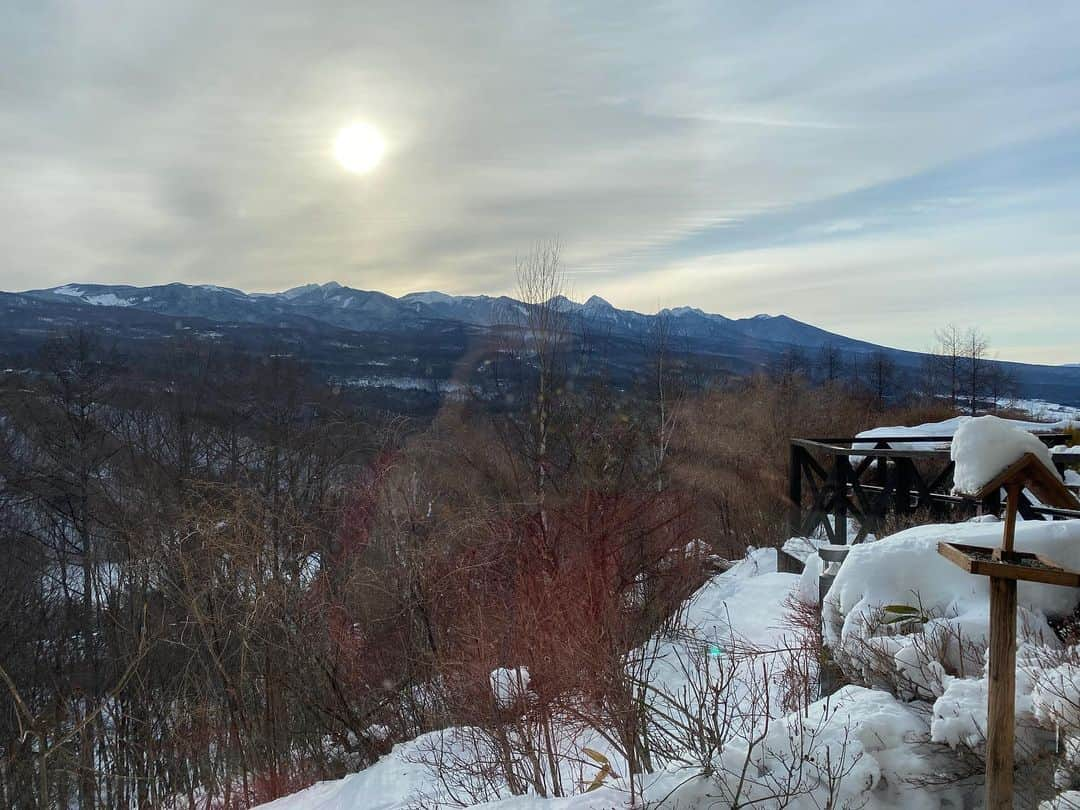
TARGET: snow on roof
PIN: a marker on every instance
(985, 445)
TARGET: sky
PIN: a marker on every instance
(877, 169)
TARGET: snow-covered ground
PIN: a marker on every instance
(865, 745)
(731, 692)
(741, 606)
(1044, 411)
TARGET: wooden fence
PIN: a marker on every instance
(831, 480)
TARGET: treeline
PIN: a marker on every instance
(224, 581)
(153, 530)
(958, 369)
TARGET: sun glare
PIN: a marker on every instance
(359, 148)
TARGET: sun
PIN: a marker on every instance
(359, 148)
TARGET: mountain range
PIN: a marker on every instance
(369, 335)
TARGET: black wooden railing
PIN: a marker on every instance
(830, 481)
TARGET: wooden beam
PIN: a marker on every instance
(1035, 476)
(795, 475)
(840, 504)
(837, 450)
(1022, 565)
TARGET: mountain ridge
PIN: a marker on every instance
(319, 300)
(733, 346)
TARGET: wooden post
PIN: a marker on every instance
(1012, 506)
(902, 470)
(1000, 710)
(1005, 567)
(1000, 718)
(795, 491)
(843, 473)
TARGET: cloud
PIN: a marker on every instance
(190, 141)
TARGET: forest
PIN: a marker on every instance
(226, 580)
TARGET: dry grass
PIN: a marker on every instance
(732, 449)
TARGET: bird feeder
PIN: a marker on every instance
(1005, 566)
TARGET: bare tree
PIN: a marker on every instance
(545, 330)
(667, 392)
(976, 367)
(830, 363)
(1000, 384)
(790, 366)
(950, 353)
(882, 376)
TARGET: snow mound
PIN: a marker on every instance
(1047, 690)
(1069, 800)
(395, 782)
(509, 687)
(865, 734)
(946, 602)
(986, 445)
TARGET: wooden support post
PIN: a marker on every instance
(1005, 567)
(1000, 718)
(1012, 506)
(842, 471)
(1000, 710)
(903, 469)
(795, 490)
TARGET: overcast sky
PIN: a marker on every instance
(877, 169)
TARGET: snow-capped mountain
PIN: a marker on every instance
(317, 310)
(351, 308)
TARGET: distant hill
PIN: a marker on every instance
(368, 335)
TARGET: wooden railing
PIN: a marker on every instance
(830, 481)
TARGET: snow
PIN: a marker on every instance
(865, 732)
(802, 548)
(430, 297)
(1069, 800)
(101, 299)
(392, 783)
(509, 687)
(906, 569)
(679, 312)
(428, 384)
(1046, 697)
(865, 736)
(916, 435)
(1047, 411)
(229, 290)
(985, 445)
(876, 739)
(741, 605)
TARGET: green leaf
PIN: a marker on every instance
(900, 609)
(599, 780)
(902, 619)
(596, 756)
